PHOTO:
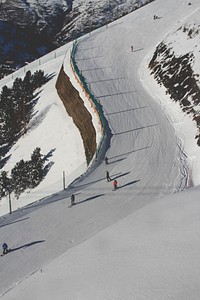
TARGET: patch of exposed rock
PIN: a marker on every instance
(176, 74)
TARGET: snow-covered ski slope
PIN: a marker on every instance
(153, 253)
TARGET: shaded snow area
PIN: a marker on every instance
(142, 240)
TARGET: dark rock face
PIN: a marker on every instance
(35, 28)
(18, 46)
(26, 32)
(42, 17)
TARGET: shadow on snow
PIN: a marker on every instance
(26, 245)
(90, 198)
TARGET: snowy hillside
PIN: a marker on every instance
(53, 131)
(142, 240)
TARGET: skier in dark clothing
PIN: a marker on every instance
(72, 199)
(106, 160)
(108, 176)
(5, 248)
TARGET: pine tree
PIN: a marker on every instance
(18, 104)
(5, 117)
(4, 184)
(5, 97)
(28, 83)
(19, 178)
(37, 165)
(38, 79)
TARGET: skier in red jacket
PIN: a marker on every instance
(115, 184)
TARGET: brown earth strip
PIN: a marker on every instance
(75, 108)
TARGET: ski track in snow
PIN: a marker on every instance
(144, 156)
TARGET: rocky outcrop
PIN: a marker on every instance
(75, 108)
(176, 74)
(39, 17)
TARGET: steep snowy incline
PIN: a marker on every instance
(143, 147)
(144, 155)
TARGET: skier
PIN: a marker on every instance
(5, 248)
(72, 199)
(131, 48)
(108, 176)
(115, 184)
(106, 160)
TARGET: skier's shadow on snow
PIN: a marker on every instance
(114, 161)
(90, 198)
(115, 94)
(88, 183)
(91, 57)
(119, 112)
(126, 184)
(108, 79)
(26, 245)
(135, 129)
(123, 174)
(14, 222)
(126, 153)
(91, 182)
(139, 49)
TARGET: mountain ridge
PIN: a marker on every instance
(51, 25)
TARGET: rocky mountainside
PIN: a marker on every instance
(177, 71)
(32, 28)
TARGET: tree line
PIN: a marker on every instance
(16, 106)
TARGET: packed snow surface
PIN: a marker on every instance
(142, 240)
